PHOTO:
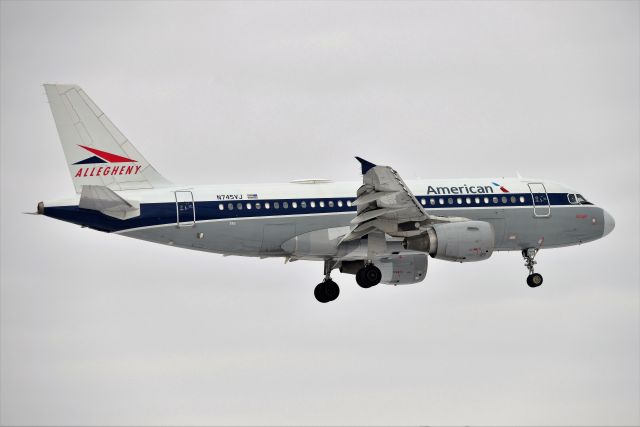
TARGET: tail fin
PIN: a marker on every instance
(96, 152)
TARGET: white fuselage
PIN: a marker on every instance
(257, 219)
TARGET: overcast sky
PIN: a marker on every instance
(101, 329)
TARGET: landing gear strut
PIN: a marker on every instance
(328, 290)
(534, 279)
(368, 276)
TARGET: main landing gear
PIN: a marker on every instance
(534, 279)
(368, 276)
(328, 290)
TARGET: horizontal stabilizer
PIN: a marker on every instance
(103, 199)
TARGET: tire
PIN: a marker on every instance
(319, 293)
(534, 280)
(372, 275)
(360, 279)
(331, 290)
(326, 291)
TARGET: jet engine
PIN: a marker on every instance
(402, 269)
(455, 241)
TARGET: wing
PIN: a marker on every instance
(386, 205)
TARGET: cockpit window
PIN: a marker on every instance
(572, 199)
(582, 200)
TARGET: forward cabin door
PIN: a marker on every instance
(185, 209)
(541, 206)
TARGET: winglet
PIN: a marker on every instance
(365, 165)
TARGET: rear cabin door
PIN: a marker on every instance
(541, 206)
(185, 209)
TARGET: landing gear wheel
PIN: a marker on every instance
(534, 280)
(360, 279)
(326, 291)
(372, 275)
(368, 276)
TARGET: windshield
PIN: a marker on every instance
(582, 200)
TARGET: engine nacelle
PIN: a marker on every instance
(455, 241)
(396, 269)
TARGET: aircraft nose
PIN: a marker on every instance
(609, 223)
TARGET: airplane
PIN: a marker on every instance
(382, 229)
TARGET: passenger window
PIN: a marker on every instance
(312, 204)
(339, 203)
(294, 205)
(494, 200)
(450, 200)
(303, 205)
(513, 199)
(349, 203)
(486, 200)
(504, 199)
(285, 205)
(258, 205)
(441, 201)
(468, 200)
(432, 201)
(330, 203)
(239, 206)
(423, 201)
(220, 206)
(276, 205)
(521, 199)
(477, 200)
(248, 206)
(321, 204)
(230, 206)
(266, 205)
(459, 200)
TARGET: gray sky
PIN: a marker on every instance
(100, 329)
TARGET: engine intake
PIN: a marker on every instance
(455, 241)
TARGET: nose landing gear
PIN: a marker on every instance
(534, 279)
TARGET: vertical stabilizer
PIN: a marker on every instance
(97, 152)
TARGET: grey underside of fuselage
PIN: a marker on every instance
(515, 229)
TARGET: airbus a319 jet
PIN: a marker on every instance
(381, 229)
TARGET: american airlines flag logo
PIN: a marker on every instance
(504, 190)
